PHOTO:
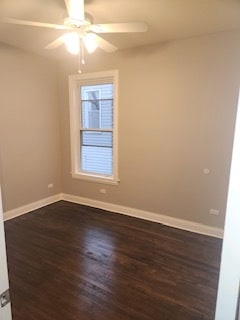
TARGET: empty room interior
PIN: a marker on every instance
(115, 164)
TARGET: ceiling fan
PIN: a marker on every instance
(81, 31)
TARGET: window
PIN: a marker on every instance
(93, 123)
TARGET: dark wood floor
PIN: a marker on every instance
(68, 261)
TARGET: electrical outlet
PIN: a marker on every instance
(103, 191)
(50, 185)
(214, 212)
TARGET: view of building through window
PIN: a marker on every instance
(96, 128)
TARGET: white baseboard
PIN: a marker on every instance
(151, 216)
(30, 207)
(137, 213)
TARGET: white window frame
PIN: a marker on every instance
(75, 82)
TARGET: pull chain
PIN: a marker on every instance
(81, 59)
(82, 48)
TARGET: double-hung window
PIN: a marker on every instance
(93, 123)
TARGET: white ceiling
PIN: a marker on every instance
(167, 20)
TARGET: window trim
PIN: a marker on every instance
(74, 102)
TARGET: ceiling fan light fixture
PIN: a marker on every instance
(71, 41)
(81, 31)
(90, 42)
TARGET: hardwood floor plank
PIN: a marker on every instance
(68, 261)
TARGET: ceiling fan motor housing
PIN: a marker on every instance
(76, 23)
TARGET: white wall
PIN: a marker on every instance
(229, 281)
(5, 313)
(177, 107)
(29, 128)
(183, 95)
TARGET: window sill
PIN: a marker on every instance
(95, 178)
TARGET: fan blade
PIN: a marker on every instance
(119, 27)
(54, 44)
(34, 23)
(104, 44)
(75, 9)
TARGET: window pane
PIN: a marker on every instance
(90, 115)
(106, 119)
(99, 139)
(106, 91)
(96, 160)
(97, 114)
(97, 106)
(96, 152)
